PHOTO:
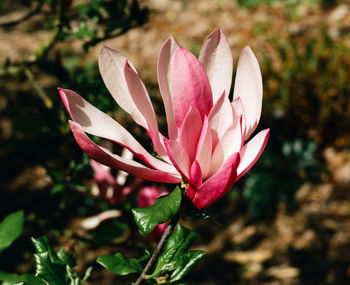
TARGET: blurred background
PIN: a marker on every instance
(286, 222)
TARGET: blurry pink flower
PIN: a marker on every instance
(147, 196)
(110, 188)
(207, 142)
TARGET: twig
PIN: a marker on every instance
(39, 90)
(25, 17)
(58, 27)
(168, 231)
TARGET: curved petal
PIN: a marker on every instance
(205, 148)
(148, 194)
(105, 157)
(111, 64)
(143, 103)
(99, 168)
(189, 86)
(238, 110)
(216, 58)
(164, 68)
(248, 87)
(251, 152)
(190, 131)
(196, 174)
(97, 123)
(122, 175)
(217, 185)
(231, 142)
(220, 118)
(107, 186)
(178, 157)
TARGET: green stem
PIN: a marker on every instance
(39, 90)
(168, 231)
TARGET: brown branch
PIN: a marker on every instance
(38, 89)
(25, 17)
(168, 231)
(58, 27)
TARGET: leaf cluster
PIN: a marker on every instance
(176, 260)
(173, 264)
(51, 267)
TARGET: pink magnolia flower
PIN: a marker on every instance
(114, 190)
(208, 142)
(108, 187)
(147, 196)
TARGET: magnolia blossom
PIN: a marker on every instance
(147, 196)
(113, 189)
(208, 143)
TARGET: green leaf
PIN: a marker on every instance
(163, 209)
(145, 257)
(55, 268)
(72, 276)
(66, 258)
(86, 274)
(177, 243)
(42, 245)
(11, 228)
(185, 263)
(53, 274)
(58, 188)
(28, 279)
(175, 258)
(120, 265)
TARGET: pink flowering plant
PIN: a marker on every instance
(114, 190)
(110, 188)
(208, 147)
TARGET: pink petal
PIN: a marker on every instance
(216, 58)
(107, 187)
(220, 118)
(196, 174)
(122, 175)
(238, 110)
(164, 69)
(132, 187)
(102, 174)
(190, 131)
(97, 123)
(143, 103)
(179, 157)
(217, 185)
(111, 64)
(230, 143)
(148, 194)
(189, 86)
(105, 157)
(99, 168)
(191, 191)
(251, 152)
(204, 148)
(248, 87)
